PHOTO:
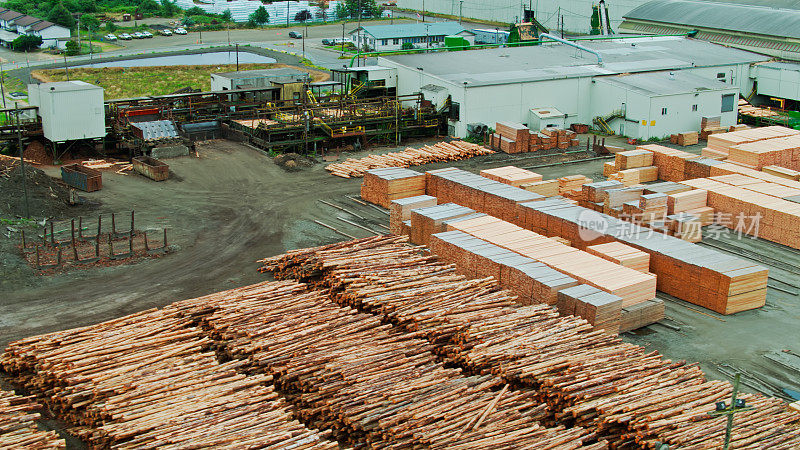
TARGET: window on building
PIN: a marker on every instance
(694, 107)
(663, 111)
(721, 77)
(455, 111)
(384, 41)
(728, 102)
(396, 42)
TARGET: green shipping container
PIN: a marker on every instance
(455, 41)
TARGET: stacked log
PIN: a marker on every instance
(149, 379)
(18, 424)
(442, 151)
(622, 393)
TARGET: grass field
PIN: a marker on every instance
(126, 82)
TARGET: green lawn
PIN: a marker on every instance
(120, 82)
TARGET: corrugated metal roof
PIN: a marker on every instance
(413, 30)
(554, 61)
(781, 19)
(781, 66)
(156, 129)
(262, 73)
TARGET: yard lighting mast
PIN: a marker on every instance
(737, 405)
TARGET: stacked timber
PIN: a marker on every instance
(629, 284)
(779, 171)
(601, 309)
(545, 188)
(708, 126)
(616, 198)
(723, 142)
(700, 168)
(150, 380)
(571, 186)
(685, 226)
(442, 151)
(400, 210)
(671, 163)
(632, 159)
(688, 138)
(596, 192)
(622, 254)
(717, 281)
(665, 187)
(513, 176)
(381, 186)
(430, 220)
(783, 152)
(641, 314)
(685, 201)
(621, 392)
(18, 428)
(514, 137)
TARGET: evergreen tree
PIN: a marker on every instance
(60, 15)
(260, 16)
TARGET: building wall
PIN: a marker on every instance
(70, 115)
(53, 36)
(576, 13)
(774, 82)
(397, 44)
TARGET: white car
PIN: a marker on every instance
(125, 37)
(147, 34)
(138, 35)
(180, 31)
(110, 37)
(166, 32)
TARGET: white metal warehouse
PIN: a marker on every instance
(504, 84)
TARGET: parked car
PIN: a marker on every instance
(166, 32)
(125, 37)
(327, 41)
(138, 35)
(147, 34)
(110, 37)
(295, 35)
(180, 31)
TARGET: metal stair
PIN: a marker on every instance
(601, 122)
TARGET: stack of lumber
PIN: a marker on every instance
(751, 212)
(400, 210)
(727, 168)
(784, 152)
(671, 162)
(685, 226)
(149, 379)
(686, 201)
(532, 348)
(596, 192)
(782, 172)
(572, 185)
(601, 309)
(622, 254)
(609, 168)
(545, 188)
(615, 198)
(513, 176)
(722, 142)
(514, 137)
(631, 159)
(442, 151)
(476, 192)
(709, 126)
(665, 187)
(18, 427)
(632, 167)
(430, 220)
(381, 186)
(699, 275)
(700, 168)
(641, 314)
(629, 284)
(631, 177)
(688, 138)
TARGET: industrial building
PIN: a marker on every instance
(69, 110)
(763, 26)
(504, 84)
(393, 37)
(290, 81)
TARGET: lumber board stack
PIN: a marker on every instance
(512, 176)
(516, 137)
(631, 159)
(723, 142)
(641, 314)
(442, 151)
(545, 188)
(629, 284)
(571, 186)
(601, 309)
(782, 172)
(688, 138)
(18, 428)
(430, 220)
(699, 275)
(671, 163)
(622, 254)
(149, 379)
(531, 347)
(381, 186)
(400, 210)
(727, 168)
(596, 192)
(685, 201)
(784, 152)
(749, 212)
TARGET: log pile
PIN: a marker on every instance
(619, 391)
(150, 379)
(18, 427)
(442, 151)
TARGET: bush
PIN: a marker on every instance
(407, 46)
(72, 48)
(26, 42)
(260, 16)
(89, 22)
(111, 27)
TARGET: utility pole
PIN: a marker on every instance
(423, 10)
(79, 35)
(736, 406)
(460, 11)
(428, 35)
(28, 63)
(66, 67)
(2, 89)
(237, 57)
(304, 42)
(343, 24)
(22, 162)
(91, 49)
(358, 3)
(287, 14)
(228, 26)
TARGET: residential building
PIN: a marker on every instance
(420, 35)
(14, 24)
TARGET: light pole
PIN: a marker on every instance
(2, 90)
(343, 24)
(460, 9)
(427, 35)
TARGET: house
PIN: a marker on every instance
(420, 35)
(14, 25)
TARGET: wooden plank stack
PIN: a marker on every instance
(688, 138)
(513, 176)
(515, 137)
(641, 314)
(631, 159)
(430, 220)
(685, 201)
(586, 377)
(18, 427)
(622, 254)
(782, 172)
(596, 192)
(442, 151)
(381, 186)
(400, 210)
(545, 188)
(685, 226)
(671, 162)
(722, 142)
(783, 151)
(572, 185)
(601, 309)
